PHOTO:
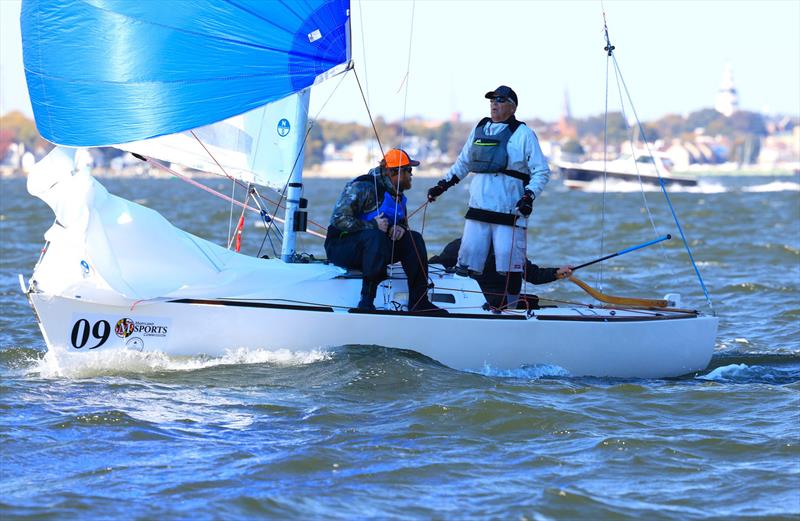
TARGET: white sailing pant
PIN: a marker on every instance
(509, 242)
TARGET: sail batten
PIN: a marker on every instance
(113, 71)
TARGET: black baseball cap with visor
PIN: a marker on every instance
(503, 91)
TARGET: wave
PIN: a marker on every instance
(531, 372)
(62, 364)
(747, 374)
(775, 186)
(619, 186)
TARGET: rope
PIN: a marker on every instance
(247, 187)
(214, 192)
(424, 217)
(510, 260)
(369, 113)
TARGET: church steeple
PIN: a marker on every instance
(727, 98)
(566, 125)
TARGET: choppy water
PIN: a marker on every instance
(367, 432)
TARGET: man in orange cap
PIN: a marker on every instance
(510, 172)
(369, 224)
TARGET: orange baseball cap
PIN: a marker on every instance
(397, 157)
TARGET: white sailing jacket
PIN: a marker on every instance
(498, 192)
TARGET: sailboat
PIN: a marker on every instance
(224, 86)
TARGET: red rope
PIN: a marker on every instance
(217, 194)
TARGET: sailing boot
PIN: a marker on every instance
(369, 289)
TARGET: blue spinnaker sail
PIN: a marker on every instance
(103, 72)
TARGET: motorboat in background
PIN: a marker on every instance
(647, 167)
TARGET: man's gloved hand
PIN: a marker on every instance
(525, 203)
(435, 191)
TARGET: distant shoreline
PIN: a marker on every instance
(343, 172)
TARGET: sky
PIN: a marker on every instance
(434, 58)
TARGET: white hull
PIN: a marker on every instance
(649, 169)
(581, 341)
(117, 275)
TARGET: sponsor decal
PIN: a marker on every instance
(124, 327)
(85, 268)
(284, 127)
(90, 331)
(135, 343)
(150, 328)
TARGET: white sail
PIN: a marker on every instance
(261, 146)
(102, 247)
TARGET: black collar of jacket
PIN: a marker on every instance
(512, 122)
(387, 181)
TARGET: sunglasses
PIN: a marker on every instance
(403, 169)
(501, 99)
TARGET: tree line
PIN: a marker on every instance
(449, 136)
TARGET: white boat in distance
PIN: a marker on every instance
(116, 275)
(645, 167)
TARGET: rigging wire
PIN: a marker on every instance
(378, 139)
(635, 158)
(366, 69)
(230, 214)
(405, 83)
(366, 100)
(369, 113)
(605, 162)
(621, 79)
(236, 182)
(666, 196)
(611, 59)
(303, 147)
(213, 192)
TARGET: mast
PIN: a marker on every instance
(291, 130)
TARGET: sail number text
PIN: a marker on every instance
(82, 329)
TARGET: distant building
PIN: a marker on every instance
(566, 125)
(727, 101)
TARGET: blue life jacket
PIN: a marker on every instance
(390, 209)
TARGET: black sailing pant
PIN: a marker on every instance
(371, 251)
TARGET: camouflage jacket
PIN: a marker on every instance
(359, 198)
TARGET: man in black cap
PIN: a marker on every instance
(511, 172)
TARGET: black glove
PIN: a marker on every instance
(525, 204)
(435, 191)
(440, 188)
